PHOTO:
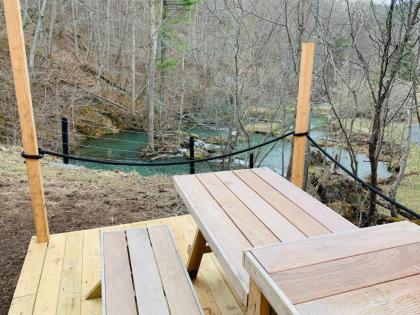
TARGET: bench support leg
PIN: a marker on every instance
(95, 292)
(198, 249)
(257, 303)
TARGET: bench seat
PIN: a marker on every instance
(142, 273)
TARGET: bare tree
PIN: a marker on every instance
(38, 30)
(151, 74)
(391, 38)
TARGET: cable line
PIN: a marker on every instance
(363, 183)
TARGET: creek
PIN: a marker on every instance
(125, 145)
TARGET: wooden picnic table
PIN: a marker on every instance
(372, 271)
(241, 209)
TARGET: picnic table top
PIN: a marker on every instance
(241, 209)
(374, 270)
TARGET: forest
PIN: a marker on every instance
(232, 66)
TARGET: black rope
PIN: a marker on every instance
(127, 163)
(301, 134)
(218, 157)
(363, 183)
(38, 156)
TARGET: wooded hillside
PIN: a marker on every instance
(157, 65)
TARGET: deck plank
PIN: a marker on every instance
(31, 269)
(49, 284)
(22, 305)
(70, 291)
(91, 271)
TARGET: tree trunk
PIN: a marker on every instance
(38, 30)
(74, 24)
(133, 61)
(181, 102)
(151, 75)
(414, 59)
(52, 22)
(404, 159)
(373, 158)
(162, 53)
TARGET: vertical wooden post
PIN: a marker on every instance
(302, 114)
(26, 116)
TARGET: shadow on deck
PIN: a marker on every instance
(56, 278)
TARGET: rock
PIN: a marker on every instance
(199, 153)
(202, 144)
(317, 158)
(394, 167)
(217, 140)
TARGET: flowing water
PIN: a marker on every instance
(125, 146)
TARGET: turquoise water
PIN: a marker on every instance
(125, 146)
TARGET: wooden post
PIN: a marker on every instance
(65, 138)
(302, 114)
(26, 116)
(192, 155)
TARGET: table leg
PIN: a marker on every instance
(198, 249)
(257, 303)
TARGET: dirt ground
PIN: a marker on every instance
(76, 198)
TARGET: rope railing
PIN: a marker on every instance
(364, 183)
(150, 164)
(405, 211)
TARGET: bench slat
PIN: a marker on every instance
(117, 287)
(277, 223)
(178, 288)
(299, 218)
(149, 291)
(252, 228)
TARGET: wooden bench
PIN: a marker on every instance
(373, 271)
(239, 210)
(142, 273)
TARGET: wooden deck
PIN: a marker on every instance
(55, 278)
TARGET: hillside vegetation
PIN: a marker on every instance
(158, 66)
